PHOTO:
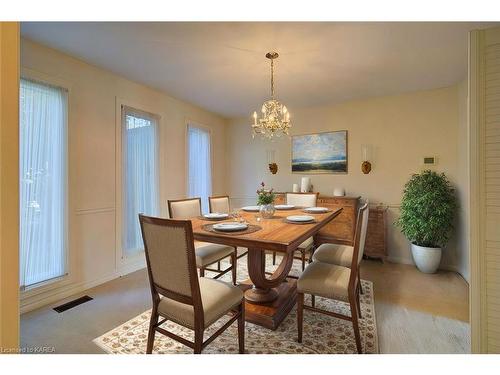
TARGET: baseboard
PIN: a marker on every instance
(40, 300)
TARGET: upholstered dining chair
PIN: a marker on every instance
(178, 294)
(335, 282)
(206, 253)
(221, 204)
(339, 254)
(302, 200)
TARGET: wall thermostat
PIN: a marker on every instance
(429, 160)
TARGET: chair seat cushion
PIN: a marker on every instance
(306, 244)
(208, 253)
(217, 298)
(325, 280)
(341, 255)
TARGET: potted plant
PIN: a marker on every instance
(427, 213)
(265, 199)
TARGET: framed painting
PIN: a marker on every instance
(320, 153)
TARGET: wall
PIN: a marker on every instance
(9, 187)
(401, 128)
(94, 205)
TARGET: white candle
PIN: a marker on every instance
(295, 188)
(304, 184)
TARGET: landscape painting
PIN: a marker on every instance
(320, 153)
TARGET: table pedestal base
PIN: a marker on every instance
(271, 314)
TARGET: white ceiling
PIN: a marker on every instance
(221, 66)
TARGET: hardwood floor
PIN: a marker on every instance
(416, 313)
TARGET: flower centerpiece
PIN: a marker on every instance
(265, 199)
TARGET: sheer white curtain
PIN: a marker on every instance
(140, 158)
(43, 180)
(199, 165)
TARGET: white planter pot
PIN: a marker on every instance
(427, 259)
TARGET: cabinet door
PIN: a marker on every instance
(340, 229)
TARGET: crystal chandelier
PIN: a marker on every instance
(275, 118)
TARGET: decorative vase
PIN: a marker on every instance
(267, 211)
(427, 259)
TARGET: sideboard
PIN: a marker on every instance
(341, 229)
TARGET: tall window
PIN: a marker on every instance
(140, 174)
(199, 165)
(43, 180)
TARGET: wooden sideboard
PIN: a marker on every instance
(341, 229)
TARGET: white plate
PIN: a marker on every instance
(230, 227)
(251, 208)
(216, 215)
(316, 209)
(300, 218)
(284, 206)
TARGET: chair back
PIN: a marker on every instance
(219, 204)
(302, 199)
(170, 258)
(359, 242)
(184, 208)
(364, 228)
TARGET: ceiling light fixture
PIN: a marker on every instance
(275, 120)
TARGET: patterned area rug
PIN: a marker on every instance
(322, 334)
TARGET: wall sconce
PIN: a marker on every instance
(271, 161)
(366, 156)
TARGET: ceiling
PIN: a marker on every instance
(221, 66)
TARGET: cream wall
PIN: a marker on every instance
(9, 187)
(401, 128)
(94, 95)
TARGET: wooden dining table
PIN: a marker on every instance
(269, 298)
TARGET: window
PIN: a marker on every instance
(199, 165)
(140, 174)
(43, 180)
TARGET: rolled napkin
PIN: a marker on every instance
(305, 183)
(295, 188)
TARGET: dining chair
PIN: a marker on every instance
(340, 254)
(178, 294)
(221, 204)
(206, 253)
(335, 282)
(301, 200)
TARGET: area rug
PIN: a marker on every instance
(322, 334)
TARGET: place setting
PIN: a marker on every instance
(299, 219)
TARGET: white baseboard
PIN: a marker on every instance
(49, 297)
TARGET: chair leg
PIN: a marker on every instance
(303, 251)
(355, 324)
(233, 266)
(218, 265)
(151, 332)
(359, 280)
(202, 272)
(313, 300)
(358, 302)
(300, 315)
(241, 328)
(198, 341)
(274, 258)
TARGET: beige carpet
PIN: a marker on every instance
(322, 334)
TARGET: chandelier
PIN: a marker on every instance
(275, 118)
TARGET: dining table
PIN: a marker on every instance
(269, 297)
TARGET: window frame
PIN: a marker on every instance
(126, 263)
(59, 281)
